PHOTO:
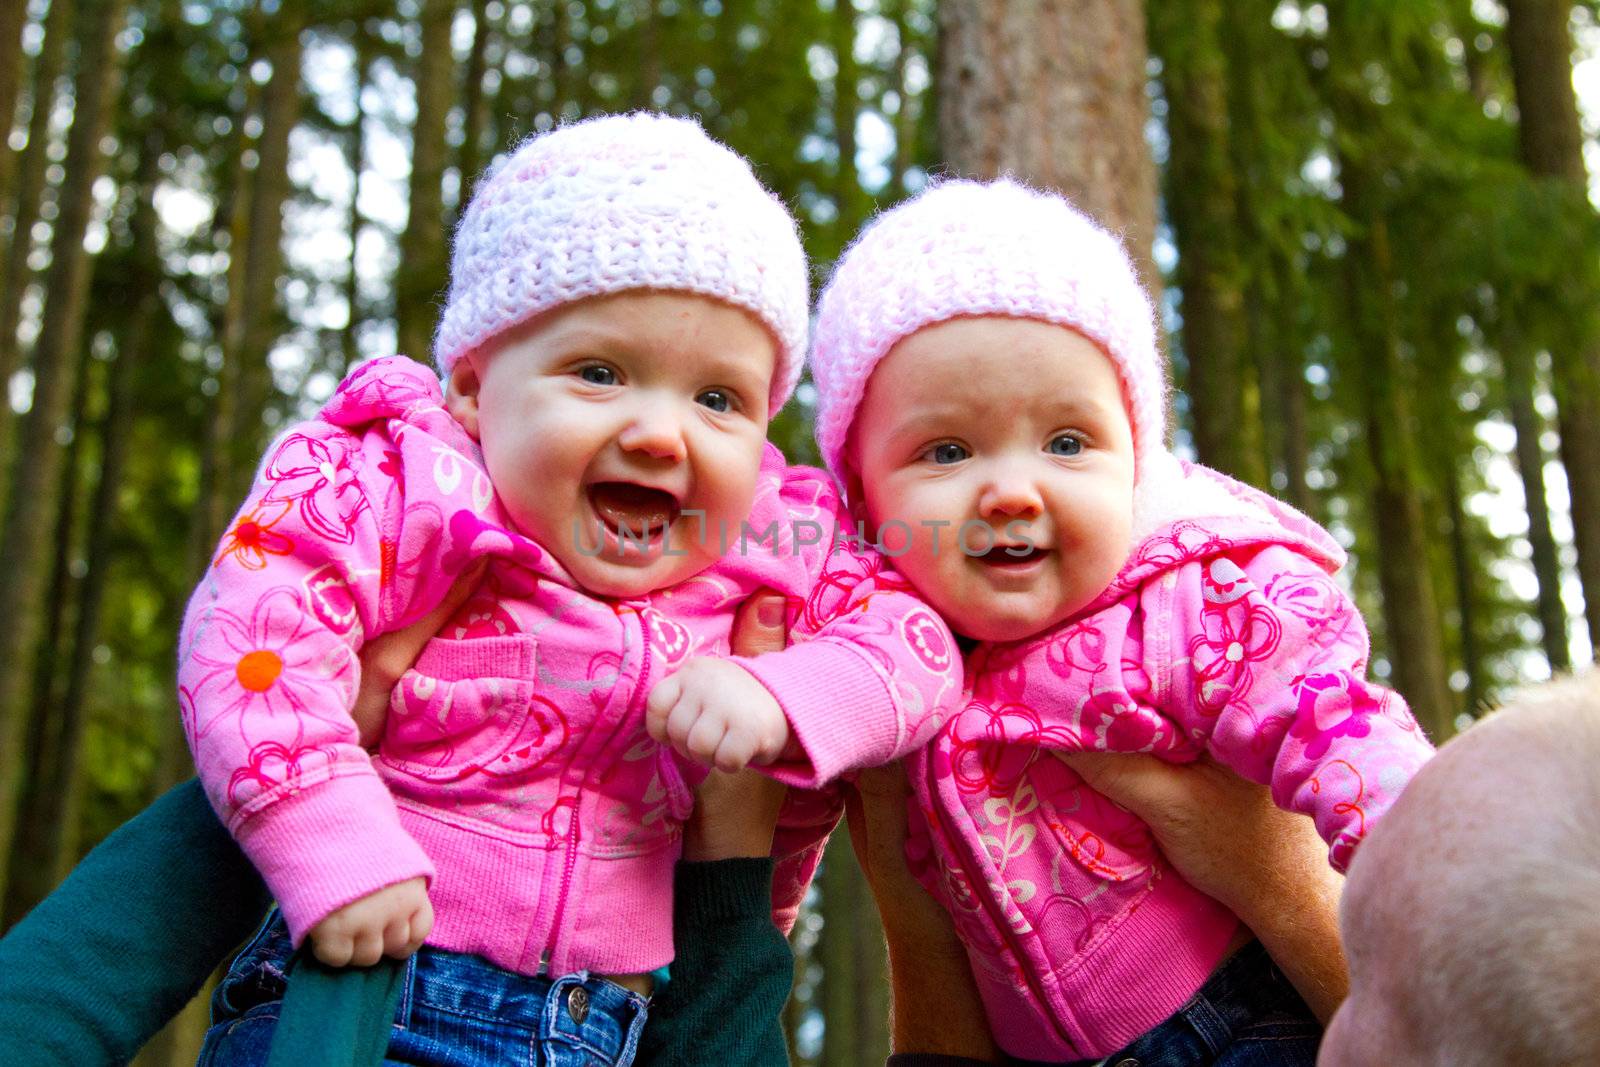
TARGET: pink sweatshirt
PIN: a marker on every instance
(1225, 632)
(514, 770)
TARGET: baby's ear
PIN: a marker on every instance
(461, 395)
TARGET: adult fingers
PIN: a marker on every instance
(384, 659)
(758, 626)
(1137, 781)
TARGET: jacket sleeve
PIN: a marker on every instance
(870, 672)
(100, 965)
(1268, 658)
(805, 822)
(314, 564)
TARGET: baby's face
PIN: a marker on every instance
(607, 422)
(993, 431)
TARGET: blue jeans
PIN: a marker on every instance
(455, 1011)
(1246, 1015)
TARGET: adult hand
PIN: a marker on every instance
(735, 814)
(1227, 838)
(937, 1010)
(384, 659)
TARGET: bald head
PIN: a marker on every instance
(1470, 916)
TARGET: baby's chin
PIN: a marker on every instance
(1001, 623)
(604, 577)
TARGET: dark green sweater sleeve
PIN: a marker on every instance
(731, 976)
(122, 945)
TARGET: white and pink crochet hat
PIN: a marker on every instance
(640, 201)
(982, 248)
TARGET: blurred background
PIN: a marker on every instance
(1371, 222)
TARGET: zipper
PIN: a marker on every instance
(635, 701)
(991, 908)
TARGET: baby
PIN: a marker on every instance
(627, 308)
(991, 396)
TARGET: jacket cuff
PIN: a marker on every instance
(325, 846)
(839, 708)
(714, 892)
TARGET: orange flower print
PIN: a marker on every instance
(279, 664)
(253, 539)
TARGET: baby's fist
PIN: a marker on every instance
(394, 921)
(716, 713)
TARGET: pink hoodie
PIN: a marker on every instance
(1225, 632)
(514, 769)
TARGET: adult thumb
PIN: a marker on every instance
(758, 626)
(1136, 781)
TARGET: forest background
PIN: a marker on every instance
(1370, 221)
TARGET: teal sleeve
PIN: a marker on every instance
(722, 1005)
(336, 1014)
(732, 973)
(122, 945)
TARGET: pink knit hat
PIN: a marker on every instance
(982, 248)
(638, 201)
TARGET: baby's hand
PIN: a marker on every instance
(394, 921)
(716, 713)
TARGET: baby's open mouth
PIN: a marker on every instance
(1011, 555)
(633, 511)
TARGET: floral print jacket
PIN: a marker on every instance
(514, 770)
(1226, 633)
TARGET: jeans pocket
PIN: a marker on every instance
(257, 974)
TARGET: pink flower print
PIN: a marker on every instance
(667, 637)
(253, 539)
(330, 598)
(279, 663)
(321, 479)
(1222, 582)
(1317, 601)
(1182, 543)
(1232, 639)
(1330, 706)
(482, 616)
(381, 388)
(1116, 722)
(989, 749)
(927, 639)
(1077, 648)
(271, 764)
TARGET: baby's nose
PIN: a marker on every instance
(654, 433)
(1013, 496)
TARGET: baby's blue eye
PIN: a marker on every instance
(715, 399)
(1065, 445)
(947, 453)
(595, 374)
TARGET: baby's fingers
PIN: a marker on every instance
(367, 948)
(735, 752)
(704, 737)
(681, 722)
(421, 925)
(663, 698)
(333, 949)
(397, 938)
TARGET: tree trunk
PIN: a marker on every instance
(1552, 613)
(1053, 91)
(649, 20)
(1202, 202)
(422, 246)
(24, 543)
(1410, 605)
(355, 156)
(474, 105)
(905, 119)
(30, 187)
(39, 809)
(841, 900)
(257, 326)
(1552, 148)
(848, 198)
(1465, 567)
(13, 16)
